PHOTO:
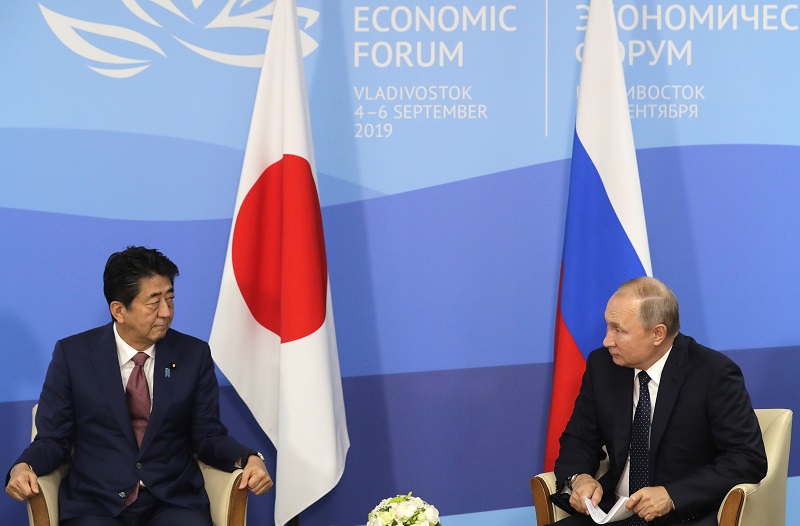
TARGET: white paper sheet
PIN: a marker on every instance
(617, 513)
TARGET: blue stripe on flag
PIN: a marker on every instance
(598, 256)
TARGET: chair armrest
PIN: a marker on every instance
(732, 508)
(542, 486)
(228, 502)
(43, 508)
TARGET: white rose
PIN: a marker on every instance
(376, 521)
(432, 514)
(405, 510)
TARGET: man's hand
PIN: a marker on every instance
(585, 487)
(650, 503)
(255, 476)
(22, 483)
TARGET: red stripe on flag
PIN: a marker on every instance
(568, 367)
(278, 250)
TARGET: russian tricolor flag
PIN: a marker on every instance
(605, 239)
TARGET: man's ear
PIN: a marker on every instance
(659, 334)
(117, 311)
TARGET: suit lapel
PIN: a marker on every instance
(162, 388)
(105, 363)
(675, 371)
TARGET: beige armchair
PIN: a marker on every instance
(228, 502)
(759, 504)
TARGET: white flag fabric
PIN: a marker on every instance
(273, 335)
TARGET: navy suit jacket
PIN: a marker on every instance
(83, 419)
(704, 436)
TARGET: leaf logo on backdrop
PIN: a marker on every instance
(120, 51)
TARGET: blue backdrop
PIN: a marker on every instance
(442, 135)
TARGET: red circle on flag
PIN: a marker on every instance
(278, 250)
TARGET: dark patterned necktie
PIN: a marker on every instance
(137, 394)
(640, 444)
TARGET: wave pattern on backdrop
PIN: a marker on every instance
(372, 329)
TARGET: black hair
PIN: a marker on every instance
(125, 270)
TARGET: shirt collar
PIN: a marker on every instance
(655, 370)
(125, 352)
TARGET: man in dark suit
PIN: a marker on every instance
(131, 445)
(704, 437)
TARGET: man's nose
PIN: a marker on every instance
(608, 341)
(164, 310)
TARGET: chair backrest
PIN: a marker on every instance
(767, 504)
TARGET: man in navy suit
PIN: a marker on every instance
(704, 437)
(118, 475)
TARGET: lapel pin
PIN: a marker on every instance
(166, 372)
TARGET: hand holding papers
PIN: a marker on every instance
(617, 513)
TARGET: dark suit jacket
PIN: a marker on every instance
(704, 435)
(82, 412)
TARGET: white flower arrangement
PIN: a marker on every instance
(403, 510)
